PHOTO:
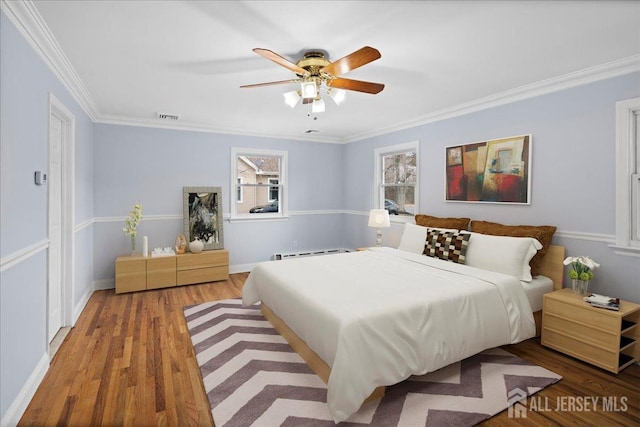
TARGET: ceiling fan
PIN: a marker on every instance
(314, 71)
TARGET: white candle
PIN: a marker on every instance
(145, 246)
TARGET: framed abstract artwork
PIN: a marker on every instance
(494, 171)
(202, 215)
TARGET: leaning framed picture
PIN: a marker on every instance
(494, 171)
(202, 215)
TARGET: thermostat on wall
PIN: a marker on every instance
(40, 178)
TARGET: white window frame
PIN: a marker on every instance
(236, 153)
(378, 192)
(239, 190)
(271, 184)
(627, 177)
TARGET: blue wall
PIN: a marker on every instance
(573, 181)
(150, 166)
(25, 84)
(573, 172)
(330, 189)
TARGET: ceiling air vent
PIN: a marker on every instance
(165, 116)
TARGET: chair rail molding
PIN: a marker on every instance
(23, 254)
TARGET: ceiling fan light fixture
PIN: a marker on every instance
(317, 75)
(291, 98)
(308, 89)
(338, 95)
(317, 106)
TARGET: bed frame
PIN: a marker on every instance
(552, 267)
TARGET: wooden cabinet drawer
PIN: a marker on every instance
(601, 337)
(201, 275)
(604, 358)
(601, 320)
(204, 259)
(137, 273)
(581, 332)
(161, 272)
(130, 274)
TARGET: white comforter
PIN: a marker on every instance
(378, 316)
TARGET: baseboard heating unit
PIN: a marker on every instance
(281, 256)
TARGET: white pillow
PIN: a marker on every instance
(502, 254)
(413, 238)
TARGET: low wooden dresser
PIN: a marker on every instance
(138, 273)
(605, 338)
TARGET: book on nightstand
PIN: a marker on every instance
(601, 301)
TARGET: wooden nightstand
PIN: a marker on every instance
(605, 338)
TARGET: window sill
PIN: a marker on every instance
(258, 218)
(402, 219)
(626, 250)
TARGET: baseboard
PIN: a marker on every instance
(77, 310)
(241, 268)
(101, 285)
(20, 403)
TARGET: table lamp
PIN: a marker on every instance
(379, 218)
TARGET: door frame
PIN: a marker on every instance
(67, 246)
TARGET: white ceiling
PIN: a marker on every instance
(136, 58)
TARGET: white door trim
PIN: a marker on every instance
(626, 166)
(67, 250)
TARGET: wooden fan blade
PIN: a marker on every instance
(352, 61)
(307, 100)
(357, 85)
(281, 82)
(272, 56)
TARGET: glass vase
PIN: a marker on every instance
(133, 244)
(580, 286)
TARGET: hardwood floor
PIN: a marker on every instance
(129, 361)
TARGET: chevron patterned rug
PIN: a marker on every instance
(253, 378)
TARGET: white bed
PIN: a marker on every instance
(376, 317)
(535, 290)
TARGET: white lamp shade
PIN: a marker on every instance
(291, 98)
(317, 106)
(308, 89)
(379, 218)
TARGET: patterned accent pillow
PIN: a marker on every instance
(446, 245)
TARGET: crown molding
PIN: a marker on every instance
(29, 22)
(25, 16)
(620, 67)
(199, 127)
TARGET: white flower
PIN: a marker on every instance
(131, 223)
(588, 262)
(581, 267)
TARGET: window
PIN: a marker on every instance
(397, 180)
(259, 180)
(628, 177)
